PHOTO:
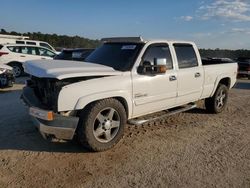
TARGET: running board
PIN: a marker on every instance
(173, 112)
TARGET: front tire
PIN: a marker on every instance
(217, 103)
(101, 124)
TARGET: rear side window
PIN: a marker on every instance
(19, 42)
(31, 43)
(45, 45)
(186, 55)
(14, 48)
(160, 51)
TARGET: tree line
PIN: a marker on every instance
(64, 41)
(58, 41)
(222, 53)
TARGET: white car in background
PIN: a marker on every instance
(15, 55)
(15, 39)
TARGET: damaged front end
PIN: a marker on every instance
(41, 96)
(47, 89)
(7, 79)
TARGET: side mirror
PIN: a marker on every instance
(159, 67)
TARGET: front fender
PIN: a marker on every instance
(77, 95)
(85, 100)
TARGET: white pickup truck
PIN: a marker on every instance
(122, 80)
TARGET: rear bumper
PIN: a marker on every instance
(61, 127)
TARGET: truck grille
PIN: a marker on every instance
(47, 91)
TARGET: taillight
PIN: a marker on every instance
(3, 53)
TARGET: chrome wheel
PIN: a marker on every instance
(106, 125)
(221, 99)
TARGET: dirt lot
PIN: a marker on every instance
(192, 149)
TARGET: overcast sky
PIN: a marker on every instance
(210, 23)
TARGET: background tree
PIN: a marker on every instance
(64, 41)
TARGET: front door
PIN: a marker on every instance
(153, 93)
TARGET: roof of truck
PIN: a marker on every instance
(141, 40)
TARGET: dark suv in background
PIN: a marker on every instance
(78, 54)
(244, 67)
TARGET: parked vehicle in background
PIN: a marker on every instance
(15, 55)
(244, 67)
(6, 76)
(5, 39)
(13, 39)
(121, 81)
(215, 60)
(78, 54)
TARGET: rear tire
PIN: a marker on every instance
(17, 69)
(101, 124)
(217, 103)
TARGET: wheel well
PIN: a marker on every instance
(14, 62)
(124, 103)
(226, 82)
(120, 99)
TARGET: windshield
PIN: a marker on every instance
(120, 56)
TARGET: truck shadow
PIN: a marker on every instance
(29, 139)
(17, 131)
(198, 111)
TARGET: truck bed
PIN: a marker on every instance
(212, 61)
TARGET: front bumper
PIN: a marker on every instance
(6, 80)
(61, 127)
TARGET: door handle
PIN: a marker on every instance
(43, 58)
(22, 56)
(197, 75)
(172, 78)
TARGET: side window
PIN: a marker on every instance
(19, 42)
(32, 51)
(45, 52)
(23, 50)
(159, 51)
(186, 55)
(13, 49)
(31, 43)
(45, 45)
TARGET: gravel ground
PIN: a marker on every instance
(191, 149)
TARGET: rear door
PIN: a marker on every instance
(190, 74)
(28, 53)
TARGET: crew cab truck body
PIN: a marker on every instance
(123, 79)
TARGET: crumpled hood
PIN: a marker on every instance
(6, 67)
(3, 68)
(62, 69)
